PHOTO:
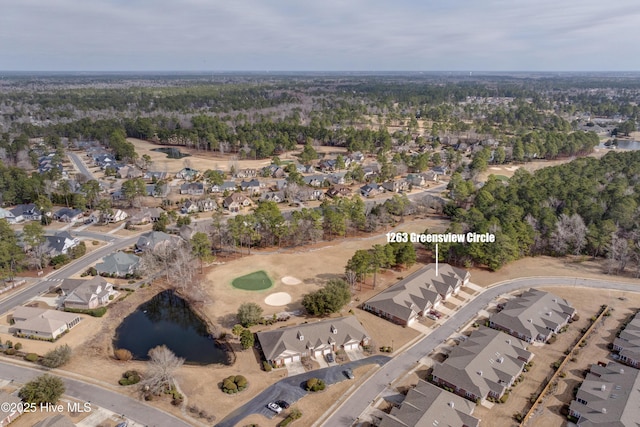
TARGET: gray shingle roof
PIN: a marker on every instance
(297, 339)
(488, 361)
(427, 405)
(611, 394)
(533, 312)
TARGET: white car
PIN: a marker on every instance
(274, 407)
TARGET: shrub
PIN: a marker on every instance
(129, 378)
(9, 343)
(234, 384)
(267, 366)
(96, 312)
(10, 351)
(504, 398)
(57, 357)
(123, 354)
(18, 346)
(43, 389)
(315, 384)
(31, 357)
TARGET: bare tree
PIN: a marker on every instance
(570, 234)
(351, 277)
(163, 364)
(618, 254)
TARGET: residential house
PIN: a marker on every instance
(192, 188)
(13, 408)
(225, 186)
(252, 187)
(327, 165)
(273, 196)
(371, 171)
(59, 243)
(483, 366)
(118, 264)
(153, 240)
(186, 232)
(104, 160)
(157, 190)
(155, 176)
(627, 344)
(315, 180)
(370, 190)
(338, 191)
(188, 174)
(68, 215)
(416, 179)
(396, 186)
(309, 194)
(274, 171)
(418, 293)
(608, 396)
(533, 316)
(106, 217)
(338, 177)
(356, 156)
(87, 294)
(236, 201)
(28, 212)
(129, 172)
(290, 344)
(281, 184)
(145, 216)
(440, 170)
(427, 405)
(40, 323)
(206, 205)
(7, 215)
(246, 173)
(189, 207)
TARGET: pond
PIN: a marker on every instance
(171, 152)
(624, 144)
(167, 319)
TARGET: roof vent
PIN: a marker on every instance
(500, 359)
(530, 320)
(622, 370)
(555, 300)
(604, 410)
(549, 313)
(509, 341)
(603, 387)
(334, 330)
(480, 373)
(300, 336)
(451, 405)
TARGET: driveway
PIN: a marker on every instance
(295, 368)
(291, 389)
(355, 354)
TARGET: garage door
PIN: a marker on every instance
(326, 351)
(317, 353)
(350, 346)
(286, 360)
(296, 358)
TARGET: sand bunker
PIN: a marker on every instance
(289, 280)
(278, 299)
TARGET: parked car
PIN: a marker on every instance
(330, 358)
(282, 404)
(349, 373)
(274, 407)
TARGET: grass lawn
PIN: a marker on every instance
(256, 281)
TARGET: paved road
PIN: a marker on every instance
(80, 165)
(23, 295)
(361, 398)
(291, 389)
(130, 408)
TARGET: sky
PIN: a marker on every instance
(320, 35)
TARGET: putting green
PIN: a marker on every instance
(256, 281)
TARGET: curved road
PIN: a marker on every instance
(355, 404)
(25, 294)
(112, 401)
